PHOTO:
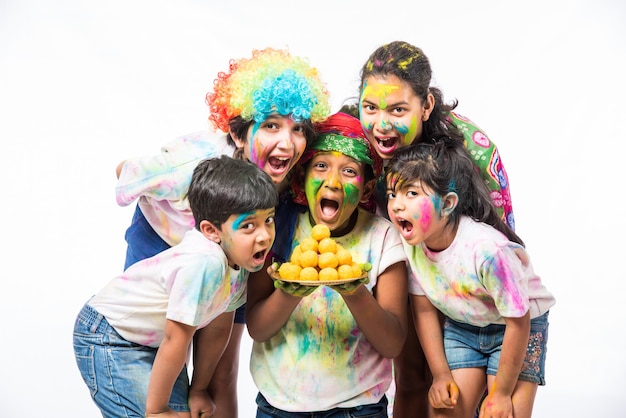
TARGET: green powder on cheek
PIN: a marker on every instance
(351, 193)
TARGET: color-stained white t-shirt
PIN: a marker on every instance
(160, 182)
(190, 283)
(320, 359)
(480, 278)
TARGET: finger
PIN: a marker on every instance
(454, 393)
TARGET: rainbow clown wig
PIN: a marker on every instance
(272, 81)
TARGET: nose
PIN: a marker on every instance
(383, 123)
(395, 205)
(332, 180)
(286, 141)
(266, 234)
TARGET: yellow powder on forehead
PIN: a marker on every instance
(380, 90)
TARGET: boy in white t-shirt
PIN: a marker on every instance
(132, 339)
(327, 350)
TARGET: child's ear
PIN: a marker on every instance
(450, 201)
(239, 143)
(429, 106)
(368, 189)
(210, 231)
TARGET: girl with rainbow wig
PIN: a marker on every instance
(261, 109)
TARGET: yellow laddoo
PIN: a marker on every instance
(327, 245)
(308, 258)
(345, 272)
(309, 274)
(308, 244)
(320, 231)
(289, 271)
(344, 256)
(356, 270)
(295, 256)
(327, 260)
(328, 274)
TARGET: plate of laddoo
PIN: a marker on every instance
(319, 260)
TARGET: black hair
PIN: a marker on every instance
(411, 65)
(224, 186)
(445, 166)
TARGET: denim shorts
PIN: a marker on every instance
(143, 242)
(468, 346)
(116, 371)
(376, 410)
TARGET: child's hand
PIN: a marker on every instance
(294, 289)
(496, 405)
(201, 404)
(350, 287)
(443, 393)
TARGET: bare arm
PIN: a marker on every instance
(169, 362)
(382, 316)
(444, 391)
(118, 169)
(267, 308)
(498, 402)
(209, 345)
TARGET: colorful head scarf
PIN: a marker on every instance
(272, 81)
(341, 133)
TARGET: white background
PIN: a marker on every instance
(85, 84)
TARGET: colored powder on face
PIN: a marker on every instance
(379, 91)
(240, 219)
(411, 132)
(254, 147)
(423, 217)
(311, 188)
(351, 194)
(401, 128)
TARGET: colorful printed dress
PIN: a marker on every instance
(486, 157)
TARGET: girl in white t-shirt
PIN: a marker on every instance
(469, 265)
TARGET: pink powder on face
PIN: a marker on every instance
(424, 215)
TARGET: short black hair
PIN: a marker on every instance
(223, 186)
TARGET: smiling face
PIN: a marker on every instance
(274, 145)
(247, 238)
(392, 115)
(421, 215)
(334, 185)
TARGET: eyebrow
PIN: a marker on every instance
(396, 104)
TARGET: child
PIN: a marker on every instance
(132, 338)
(265, 105)
(398, 107)
(329, 348)
(471, 266)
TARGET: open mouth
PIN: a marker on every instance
(279, 164)
(329, 208)
(386, 145)
(259, 257)
(406, 227)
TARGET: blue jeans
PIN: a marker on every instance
(468, 346)
(116, 371)
(377, 410)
